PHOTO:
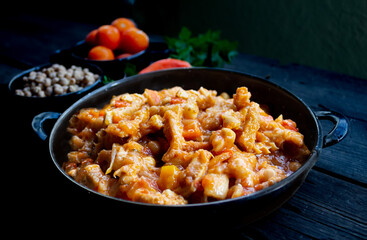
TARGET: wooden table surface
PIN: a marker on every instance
(331, 204)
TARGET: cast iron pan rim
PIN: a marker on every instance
(305, 167)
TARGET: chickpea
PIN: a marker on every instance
(32, 75)
(56, 80)
(64, 81)
(78, 74)
(41, 94)
(50, 70)
(155, 147)
(293, 166)
(52, 75)
(88, 80)
(36, 89)
(49, 91)
(47, 82)
(73, 88)
(221, 139)
(190, 111)
(72, 81)
(266, 173)
(224, 95)
(19, 92)
(61, 74)
(58, 89)
(27, 93)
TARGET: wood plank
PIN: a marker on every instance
(348, 158)
(271, 229)
(323, 207)
(336, 91)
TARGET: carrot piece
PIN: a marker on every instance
(290, 124)
(169, 177)
(176, 100)
(165, 64)
(153, 97)
(121, 103)
(191, 129)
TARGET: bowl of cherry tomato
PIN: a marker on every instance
(115, 47)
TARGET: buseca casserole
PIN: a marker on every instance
(178, 147)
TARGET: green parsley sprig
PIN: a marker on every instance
(206, 49)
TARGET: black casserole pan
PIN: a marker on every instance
(244, 209)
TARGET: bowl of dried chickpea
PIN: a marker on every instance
(54, 85)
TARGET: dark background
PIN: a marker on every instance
(326, 34)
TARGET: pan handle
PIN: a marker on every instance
(340, 129)
(38, 120)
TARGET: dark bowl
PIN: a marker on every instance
(230, 211)
(114, 69)
(32, 105)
